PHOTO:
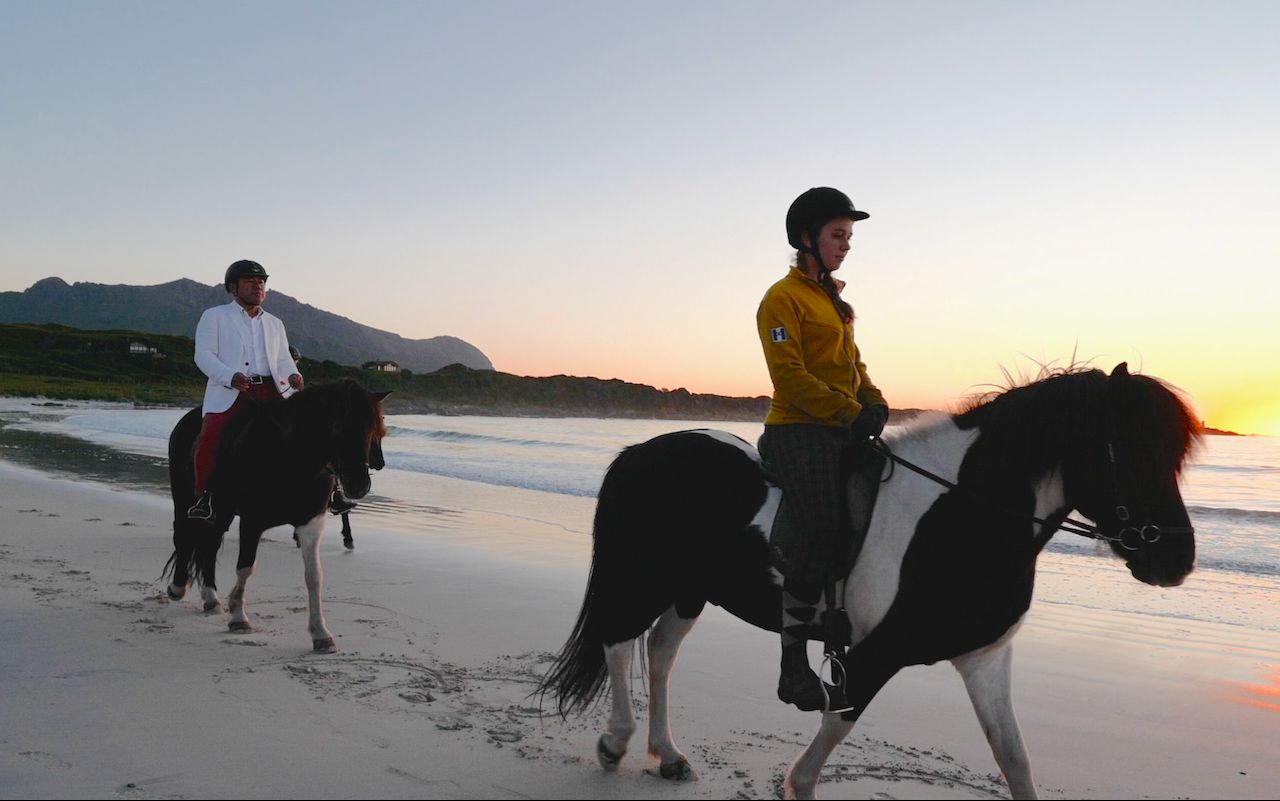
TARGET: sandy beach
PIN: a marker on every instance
(446, 616)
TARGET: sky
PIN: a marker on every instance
(599, 188)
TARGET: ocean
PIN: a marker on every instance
(552, 468)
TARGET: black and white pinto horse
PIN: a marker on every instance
(276, 465)
(946, 571)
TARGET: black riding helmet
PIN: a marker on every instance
(814, 209)
(242, 269)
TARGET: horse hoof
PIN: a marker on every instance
(240, 625)
(213, 606)
(349, 543)
(608, 759)
(324, 645)
(175, 592)
(679, 771)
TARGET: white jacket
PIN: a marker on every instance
(224, 348)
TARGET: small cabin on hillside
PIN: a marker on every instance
(381, 366)
(138, 348)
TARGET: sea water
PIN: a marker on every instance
(1231, 487)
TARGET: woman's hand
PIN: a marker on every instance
(870, 422)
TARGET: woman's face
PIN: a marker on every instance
(833, 242)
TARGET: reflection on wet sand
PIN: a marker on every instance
(1261, 695)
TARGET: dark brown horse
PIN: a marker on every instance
(277, 465)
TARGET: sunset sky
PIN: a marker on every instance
(598, 188)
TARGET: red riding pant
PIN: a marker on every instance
(213, 426)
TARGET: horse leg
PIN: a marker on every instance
(183, 548)
(802, 778)
(865, 678)
(664, 644)
(209, 541)
(612, 745)
(244, 569)
(988, 675)
(347, 539)
(309, 541)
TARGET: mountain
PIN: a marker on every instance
(175, 308)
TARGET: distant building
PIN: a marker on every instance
(137, 348)
(381, 366)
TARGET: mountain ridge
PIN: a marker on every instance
(175, 307)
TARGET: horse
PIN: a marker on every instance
(946, 570)
(277, 464)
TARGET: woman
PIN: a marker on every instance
(823, 403)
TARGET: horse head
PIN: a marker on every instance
(1125, 475)
(358, 429)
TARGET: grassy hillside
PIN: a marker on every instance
(60, 362)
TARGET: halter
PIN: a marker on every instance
(1138, 535)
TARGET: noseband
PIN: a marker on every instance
(1130, 537)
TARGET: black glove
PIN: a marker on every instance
(870, 422)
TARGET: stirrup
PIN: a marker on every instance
(340, 504)
(836, 700)
(201, 509)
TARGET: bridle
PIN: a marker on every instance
(1132, 536)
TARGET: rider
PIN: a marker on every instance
(244, 351)
(823, 403)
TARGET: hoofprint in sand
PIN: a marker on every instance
(109, 690)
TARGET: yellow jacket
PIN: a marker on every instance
(817, 371)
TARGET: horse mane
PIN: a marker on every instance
(1142, 410)
(341, 396)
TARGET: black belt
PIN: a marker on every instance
(259, 379)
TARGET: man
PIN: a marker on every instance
(244, 351)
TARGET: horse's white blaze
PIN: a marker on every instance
(309, 542)
(939, 447)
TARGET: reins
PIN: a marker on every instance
(1146, 534)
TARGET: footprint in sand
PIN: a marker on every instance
(45, 758)
(417, 697)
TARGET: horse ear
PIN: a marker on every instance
(1121, 370)
(379, 396)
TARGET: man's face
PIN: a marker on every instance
(250, 292)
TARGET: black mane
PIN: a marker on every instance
(1142, 414)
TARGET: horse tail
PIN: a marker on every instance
(662, 517)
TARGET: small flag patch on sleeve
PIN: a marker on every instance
(778, 334)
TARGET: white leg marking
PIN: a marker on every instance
(664, 644)
(988, 675)
(212, 603)
(622, 720)
(239, 610)
(802, 778)
(309, 542)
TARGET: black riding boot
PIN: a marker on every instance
(798, 684)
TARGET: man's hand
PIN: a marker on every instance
(295, 381)
(240, 381)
